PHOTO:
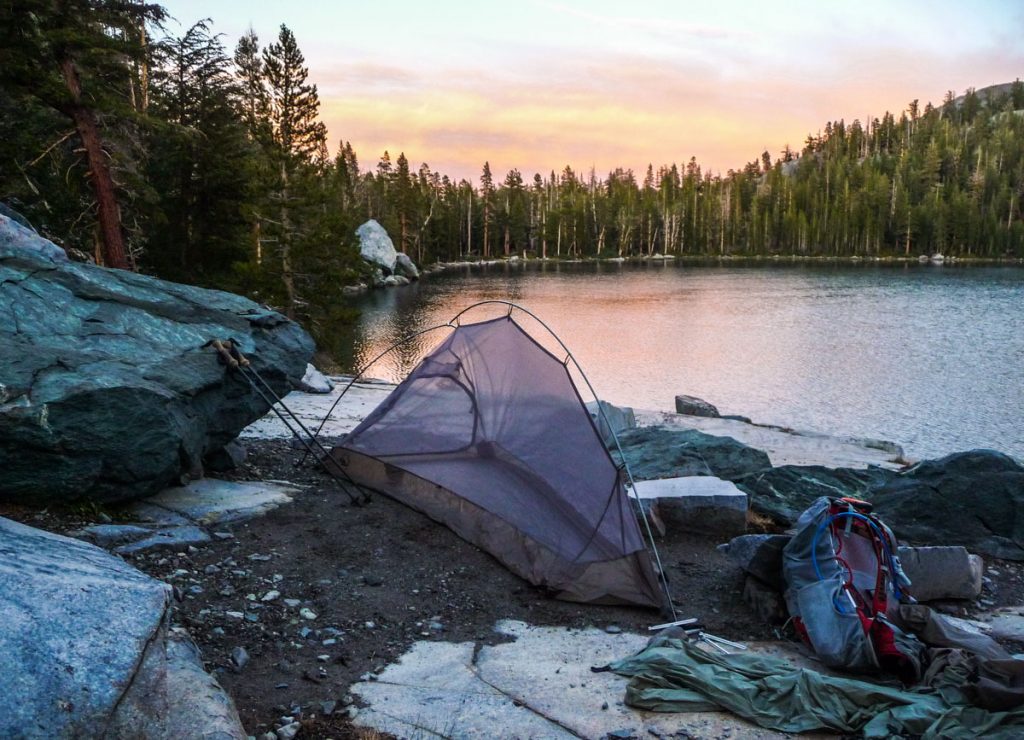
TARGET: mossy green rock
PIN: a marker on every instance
(658, 452)
(107, 390)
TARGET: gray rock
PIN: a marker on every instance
(289, 731)
(657, 452)
(168, 539)
(701, 503)
(239, 658)
(16, 236)
(974, 499)
(759, 555)
(111, 535)
(211, 501)
(783, 493)
(693, 406)
(229, 457)
(614, 419)
(115, 396)
(766, 602)
(314, 381)
(942, 572)
(395, 281)
(197, 705)
(6, 210)
(376, 247)
(125, 679)
(405, 267)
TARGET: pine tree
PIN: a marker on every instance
(298, 138)
(75, 57)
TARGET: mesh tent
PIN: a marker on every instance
(489, 436)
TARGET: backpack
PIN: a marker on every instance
(843, 579)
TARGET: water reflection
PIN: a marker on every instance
(928, 356)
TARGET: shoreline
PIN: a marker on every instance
(382, 582)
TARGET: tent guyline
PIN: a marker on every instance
(484, 433)
(239, 365)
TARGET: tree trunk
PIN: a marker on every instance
(109, 215)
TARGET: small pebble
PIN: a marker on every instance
(239, 658)
(292, 602)
(270, 595)
(613, 629)
(288, 731)
(307, 613)
(235, 615)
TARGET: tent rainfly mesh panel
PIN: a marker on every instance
(489, 436)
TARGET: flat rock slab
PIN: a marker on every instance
(210, 501)
(1005, 623)
(180, 516)
(786, 446)
(948, 572)
(311, 408)
(697, 503)
(539, 685)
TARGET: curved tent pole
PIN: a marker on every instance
(607, 421)
(453, 323)
(359, 373)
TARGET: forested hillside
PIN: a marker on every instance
(177, 156)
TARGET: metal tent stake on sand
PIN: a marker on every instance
(314, 446)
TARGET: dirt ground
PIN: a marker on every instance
(320, 592)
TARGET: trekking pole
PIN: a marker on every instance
(235, 361)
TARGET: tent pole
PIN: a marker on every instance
(359, 373)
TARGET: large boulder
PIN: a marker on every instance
(657, 452)
(693, 406)
(759, 555)
(85, 649)
(107, 388)
(610, 420)
(974, 499)
(783, 493)
(376, 247)
(405, 267)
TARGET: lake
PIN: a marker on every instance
(928, 356)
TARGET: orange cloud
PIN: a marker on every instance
(629, 110)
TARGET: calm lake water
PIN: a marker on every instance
(928, 356)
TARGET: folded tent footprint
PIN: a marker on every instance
(489, 436)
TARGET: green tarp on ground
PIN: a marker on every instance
(674, 675)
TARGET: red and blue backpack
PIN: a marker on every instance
(843, 579)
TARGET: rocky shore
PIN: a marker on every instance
(299, 610)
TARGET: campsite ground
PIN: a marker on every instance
(379, 577)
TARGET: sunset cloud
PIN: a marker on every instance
(542, 84)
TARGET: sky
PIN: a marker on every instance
(541, 84)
